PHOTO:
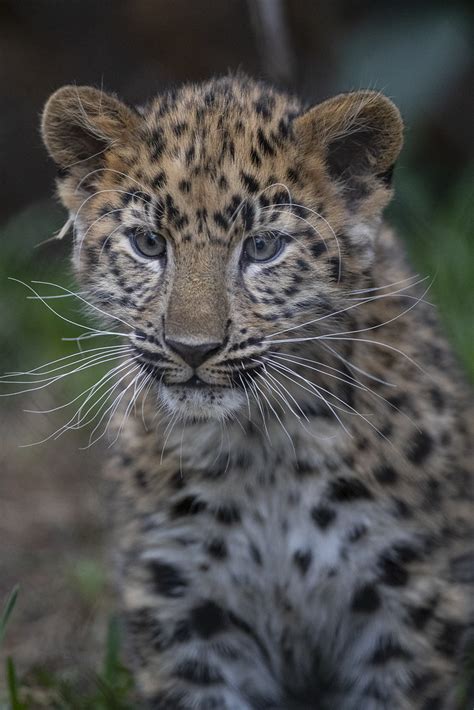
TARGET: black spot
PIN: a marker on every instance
(405, 553)
(220, 220)
(388, 649)
(255, 553)
(302, 265)
(184, 186)
(262, 107)
(420, 681)
(420, 447)
(392, 573)
(180, 128)
(189, 505)
(263, 143)
(255, 158)
(228, 514)
(292, 175)
(167, 580)
(159, 180)
(198, 672)
(401, 508)
(141, 478)
(449, 639)
(346, 489)
(248, 215)
(283, 129)
(223, 184)
(208, 618)
(323, 516)
(420, 615)
(190, 154)
(437, 399)
(250, 182)
(217, 548)
(317, 249)
(385, 474)
(434, 702)
(366, 599)
(335, 268)
(302, 559)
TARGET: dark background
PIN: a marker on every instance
(418, 53)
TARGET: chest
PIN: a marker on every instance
(271, 541)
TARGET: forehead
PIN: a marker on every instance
(202, 144)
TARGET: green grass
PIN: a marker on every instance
(111, 688)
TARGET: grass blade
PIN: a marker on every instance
(7, 611)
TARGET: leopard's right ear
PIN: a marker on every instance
(79, 123)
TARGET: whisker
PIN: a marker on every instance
(57, 378)
(37, 370)
(314, 391)
(112, 408)
(91, 305)
(67, 320)
(369, 299)
(353, 383)
(352, 409)
(356, 368)
(56, 434)
(275, 412)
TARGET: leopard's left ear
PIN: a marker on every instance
(357, 136)
(80, 122)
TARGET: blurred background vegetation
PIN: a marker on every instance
(51, 516)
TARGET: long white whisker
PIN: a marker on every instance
(356, 368)
(369, 299)
(91, 305)
(67, 320)
(352, 409)
(112, 408)
(352, 382)
(57, 378)
(37, 370)
(312, 389)
(275, 413)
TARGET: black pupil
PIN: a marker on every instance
(260, 244)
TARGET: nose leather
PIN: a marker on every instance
(194, 355)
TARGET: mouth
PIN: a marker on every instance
(195, 382)
(196, 400)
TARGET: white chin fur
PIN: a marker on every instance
(201, 404)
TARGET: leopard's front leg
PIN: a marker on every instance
(189, 648)
(406, 638)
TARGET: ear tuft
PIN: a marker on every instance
(80, 122)
(358, 136)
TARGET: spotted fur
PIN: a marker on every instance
(295, 528)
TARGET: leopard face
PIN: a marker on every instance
(219, 220)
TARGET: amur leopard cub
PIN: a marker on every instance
(294, 500)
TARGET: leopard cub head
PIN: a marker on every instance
(219, 219)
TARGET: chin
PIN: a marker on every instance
(201, 403)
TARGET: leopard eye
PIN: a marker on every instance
(148, 244)
(263, 247)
